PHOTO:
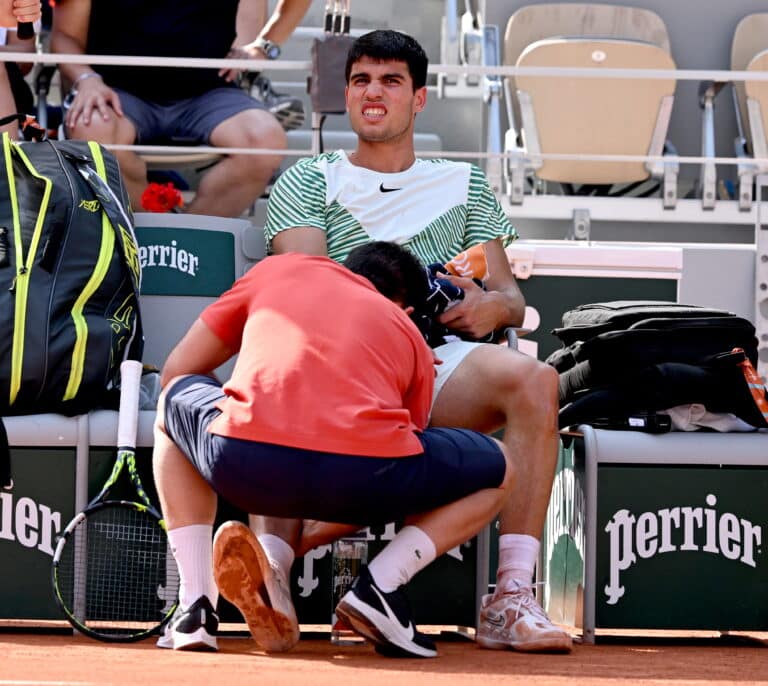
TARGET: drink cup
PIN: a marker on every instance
(349, 555)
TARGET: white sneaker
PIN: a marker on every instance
(516, 620)
(261, 592)
(192, 629)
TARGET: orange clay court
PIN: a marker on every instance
(631, 658)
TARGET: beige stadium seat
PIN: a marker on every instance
(749, 52)
(757, 105)
(582, 116)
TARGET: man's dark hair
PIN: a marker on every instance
(394, 271)
(385, 45)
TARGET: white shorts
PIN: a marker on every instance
(452, 355)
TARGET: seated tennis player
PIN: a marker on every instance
(324, 418)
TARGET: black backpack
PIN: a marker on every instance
(603, 342)
(625, 357)
(69, 278)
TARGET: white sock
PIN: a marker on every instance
(518, 554)
(403, 557)
(192, 547)
(278, 551)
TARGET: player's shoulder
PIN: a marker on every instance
(315, 161)
(442, 165)
(469, 173)
(306, 168)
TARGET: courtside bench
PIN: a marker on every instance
(658, 532)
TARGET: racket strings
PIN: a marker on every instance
(117, 575)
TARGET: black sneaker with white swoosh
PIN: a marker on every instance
(192, 629)
(383, 618)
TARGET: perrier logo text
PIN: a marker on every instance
(169, 257)
(675, 529)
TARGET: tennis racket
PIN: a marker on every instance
(114, 575)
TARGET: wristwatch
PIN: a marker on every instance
(271, 50)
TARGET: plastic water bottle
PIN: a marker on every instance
(349, 554)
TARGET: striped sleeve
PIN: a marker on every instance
(485, 217)
(297, 199)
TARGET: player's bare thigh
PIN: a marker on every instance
(477, 393)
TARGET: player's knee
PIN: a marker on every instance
(531, 388)
(546, 380)
(509, 468)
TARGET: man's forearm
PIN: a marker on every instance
(277, 28)
(510, 305)
(284, 20)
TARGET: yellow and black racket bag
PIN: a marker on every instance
(69, 277)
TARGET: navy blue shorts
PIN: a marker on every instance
(280, 481)
(191, 120)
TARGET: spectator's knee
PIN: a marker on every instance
(270, 136)
(266, 133)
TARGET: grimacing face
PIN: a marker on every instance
(381, 101)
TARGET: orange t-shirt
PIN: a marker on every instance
(325, 361)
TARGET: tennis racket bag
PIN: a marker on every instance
(69, 277)
(624, 349)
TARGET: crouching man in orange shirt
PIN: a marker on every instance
(324, 417)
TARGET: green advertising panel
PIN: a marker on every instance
(681, 547)
(185, 261)
(32, 514)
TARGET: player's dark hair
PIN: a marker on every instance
(393, 270)
(384, 45)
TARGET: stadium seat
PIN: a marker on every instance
(583, 116)
(217, 250)
(749, 52)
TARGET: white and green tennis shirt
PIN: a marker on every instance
(436, 208)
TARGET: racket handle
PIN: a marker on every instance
(128, 417)
(25, 30)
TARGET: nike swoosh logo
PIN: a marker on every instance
(392, 616)
(384, 189)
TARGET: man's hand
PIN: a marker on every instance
(14, 11)
(246, 52)
(93, 96)
(478, 314)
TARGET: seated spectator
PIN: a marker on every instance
(115, 104)
(15, 93)
(324, 417)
